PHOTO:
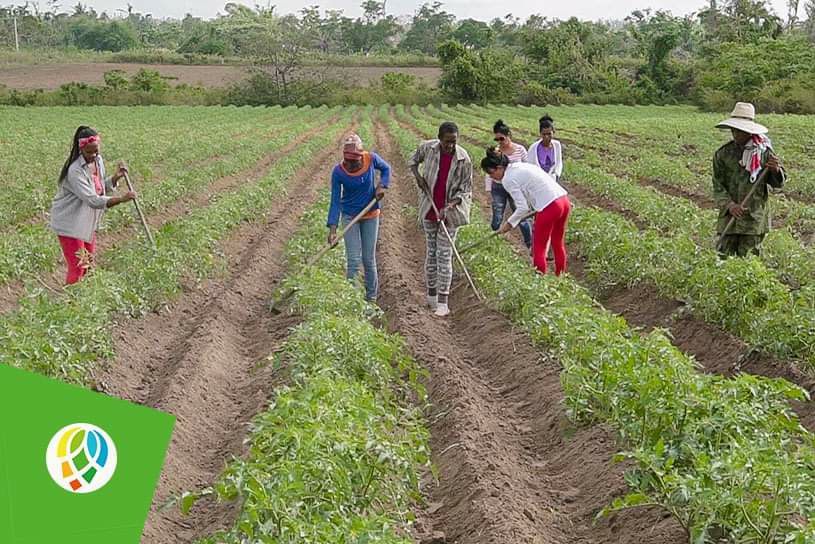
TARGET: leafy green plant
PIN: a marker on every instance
(337, 456)
(50, 336)
(725, 457)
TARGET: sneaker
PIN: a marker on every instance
(432, 301)
(442, 310)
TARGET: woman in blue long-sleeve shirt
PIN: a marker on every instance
(353, 186)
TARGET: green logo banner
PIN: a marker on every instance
(75, 466)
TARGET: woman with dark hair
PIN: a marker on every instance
(533, 189)
(547, 152)
(81, 200)
(500, 198)
(447, 178)
(353, 186)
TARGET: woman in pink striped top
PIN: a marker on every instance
(500, 197)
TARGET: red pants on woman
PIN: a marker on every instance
(74, 249)
(550, 227)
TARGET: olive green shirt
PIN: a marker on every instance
(731, 183)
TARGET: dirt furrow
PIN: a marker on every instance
(198, 358)
(512, 468)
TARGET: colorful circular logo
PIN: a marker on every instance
(81, 458)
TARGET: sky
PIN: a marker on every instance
(477, 9)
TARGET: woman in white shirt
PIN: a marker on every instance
(500, 198)
(532, 189)
(547, 152)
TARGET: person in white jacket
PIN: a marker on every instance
(547, 153)
(532, 189)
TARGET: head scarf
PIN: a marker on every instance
(753, 151)
(89, 140)
(352, 147)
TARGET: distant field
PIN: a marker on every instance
(51, 76)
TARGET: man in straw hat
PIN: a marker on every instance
(737, 166)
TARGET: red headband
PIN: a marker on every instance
(89, 140)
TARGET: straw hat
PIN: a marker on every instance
(743, 118)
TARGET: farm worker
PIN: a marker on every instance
(353, 186)
(736, 167)
(500, 198)
(547, 152)
(533, 189)
(81, 199)
(447, 176)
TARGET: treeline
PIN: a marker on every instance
(727, 51)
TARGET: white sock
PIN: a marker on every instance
(442, 309)
(432, 301)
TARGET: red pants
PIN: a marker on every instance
(74, 249)
(550, 227)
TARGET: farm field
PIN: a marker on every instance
(51, 76)
(337, 420)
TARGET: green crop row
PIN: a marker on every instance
(33, 248)
(793, 261)
(678, 143)
(337, 456)
(64, 337)
(675, 159)
(725, 456)
(740, 295)
(765, 313)
(151, 138)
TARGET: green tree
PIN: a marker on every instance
(473, 34)
(374, 30)
(429, 27)
(487, 75)
(739, 20)
(102, 36)
(809, 8)
(657, 35)
(566, 54)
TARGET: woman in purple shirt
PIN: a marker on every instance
(547, 152)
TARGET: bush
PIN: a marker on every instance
(104, 36)
(116, 79)
(777, 73)
(149, 81)
(489, 75)
(536, 94)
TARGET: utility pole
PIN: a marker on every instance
(16, 37)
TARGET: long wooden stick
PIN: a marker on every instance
(325, 249)
(140, 213)
(426, 191)
(759, 181)
(319, 255)
(492, 235)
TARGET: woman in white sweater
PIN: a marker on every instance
(532, 189)
(547, 153)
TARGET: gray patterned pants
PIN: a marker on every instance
(438, 264)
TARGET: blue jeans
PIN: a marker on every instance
(500, 199)
(360, 245)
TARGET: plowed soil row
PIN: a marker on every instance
(198, 358)
(512, 468)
